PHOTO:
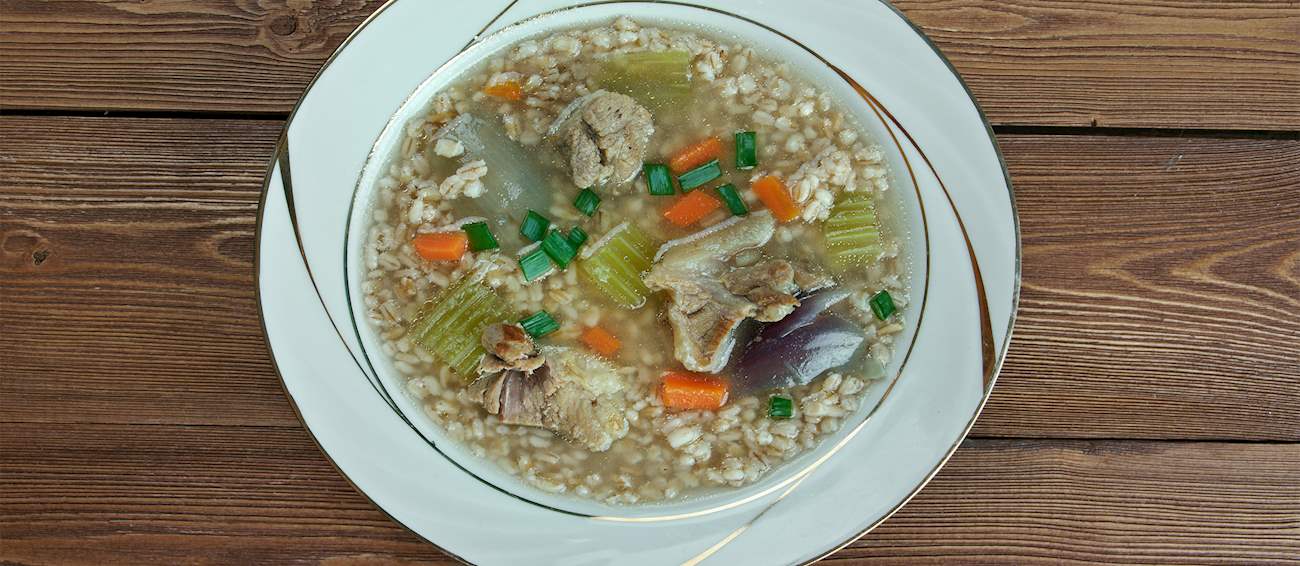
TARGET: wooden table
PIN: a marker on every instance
(1149, 410)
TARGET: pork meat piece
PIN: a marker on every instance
(603, 136)
(573, 394)
(774, 286)
(508, 348)
(703, 313)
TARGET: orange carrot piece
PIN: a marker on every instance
(441, 246)
(691, 208)
(601, 341)
(688, 391)
(509, 90)
(695, 155)
(773, 193)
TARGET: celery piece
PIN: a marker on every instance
(449, 326)
(656, 79)
(852, 233)
(615, 263)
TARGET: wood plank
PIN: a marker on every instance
(1160, 281)
(207, 55)
(1121, 63)
(164, 494)
(1087, 502)
(127, 268)
(1143, 63)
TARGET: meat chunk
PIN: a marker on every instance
(603, 136)
(774, 286)
(508, 348)
(769, 285)
(704, 314)
(574, 394)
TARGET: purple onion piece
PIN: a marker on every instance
(797, 358)
(807, 311)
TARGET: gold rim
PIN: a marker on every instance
(992, 356)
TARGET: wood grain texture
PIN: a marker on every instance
(127, 268)
(1142, 63)
(118, 494)
(213, 55)
(1161, 290)
(1153, 63)
(1160, 281)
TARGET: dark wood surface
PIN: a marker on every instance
(1149, 409)
(1121, 63)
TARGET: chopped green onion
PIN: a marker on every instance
(587, 202)
(539, 324)
(659, 179)
(780, 407)
(882, 304)
(534, 226)
(480, 236)
(734, 203)
(700, 175)
(558, 247)
(577, 237)
(535, 264)
(746, 150)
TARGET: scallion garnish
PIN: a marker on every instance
(587, 202)
(746, 150)
(577, 237)
(732, 198)
(780, 407)
(480, 236)
(700, 175)
(558, 248)
(539, 324)
(882, 304)
(534, 264)
(534, 226)
(658, 179)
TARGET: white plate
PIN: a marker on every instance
(912, 101)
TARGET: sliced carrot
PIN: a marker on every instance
(691, 208)
(601, 341)
(686, 391)
(774, 195)
(509, 90)
(695, 155)
(441, 246)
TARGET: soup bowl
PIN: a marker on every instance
(956, 225)
(906, 222)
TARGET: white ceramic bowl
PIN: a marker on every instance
(911, 231)
(962, 247)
